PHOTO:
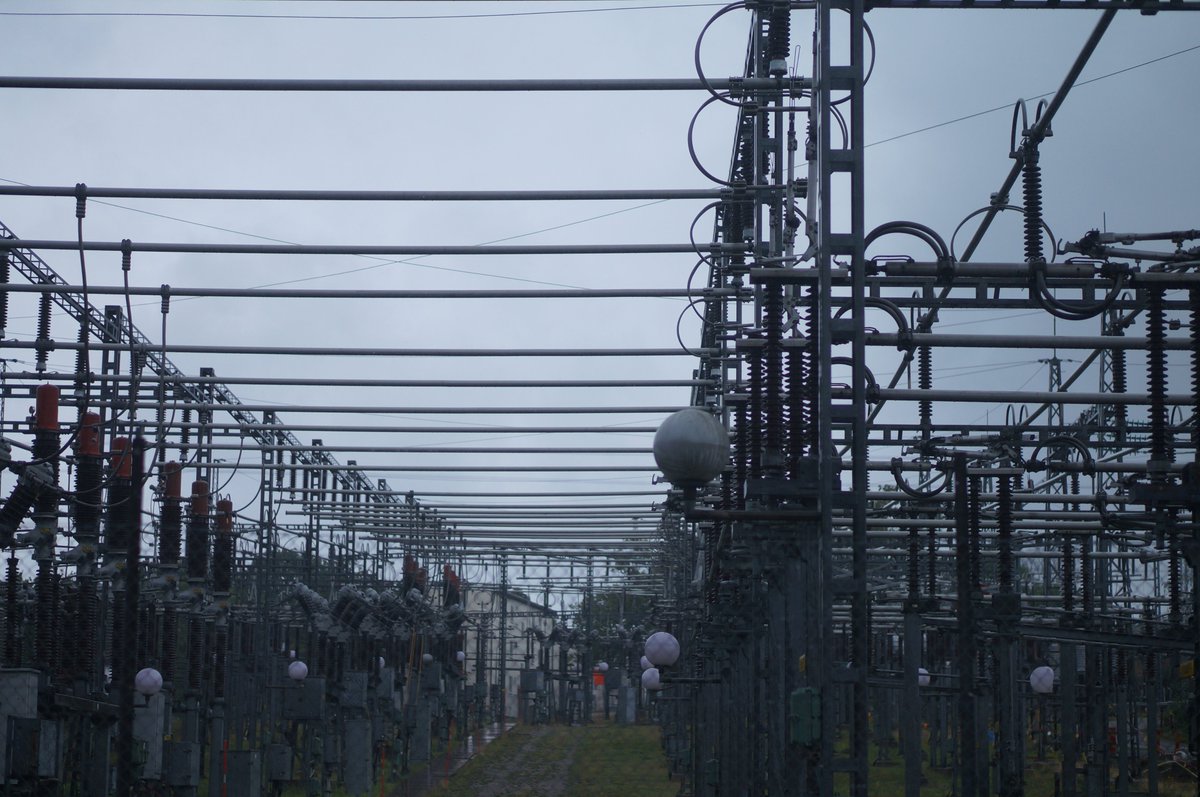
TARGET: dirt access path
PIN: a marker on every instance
(598, 760)
(538, 768)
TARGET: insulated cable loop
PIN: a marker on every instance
(907, 489)
(1034, 465)
(998, 207)
(926, 234)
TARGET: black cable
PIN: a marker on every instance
(905, 487)
(986, 209)
(691, 144)
(679, 333)
(723, 97)
(1073, 311)
(870, 66)
(926, 234)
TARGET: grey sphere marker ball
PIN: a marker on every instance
(691, 447)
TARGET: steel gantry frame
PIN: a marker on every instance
(836, 260)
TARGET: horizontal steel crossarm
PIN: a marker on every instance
(145, 346)
(318, 195)
(366, 293)
(405, 86)
(390, 250)
(1143, 6)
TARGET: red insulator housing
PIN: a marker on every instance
(173, 481)
(225, 515)
(89, 435)
(122, 458)
(47, 408)
(200, 497)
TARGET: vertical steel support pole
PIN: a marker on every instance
(503, 652)
(827, 79)
(910, 723)
(821, 211)
(968, 762)
(1070, 720)
(130, 597)
(1007, 607)
(855, 247)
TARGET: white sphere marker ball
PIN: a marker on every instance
(646, 663)
(602, 666)
(662, 649)
(427, 658)
(148, 681)
(651, 679)
(297, 670)
(922, 676)
(1041, 680)
(382, 664)
(460, 657)
(691, 447)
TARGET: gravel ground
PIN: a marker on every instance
(537, 768)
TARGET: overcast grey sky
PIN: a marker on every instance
(1124, 146)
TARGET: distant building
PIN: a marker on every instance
(527, 623)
